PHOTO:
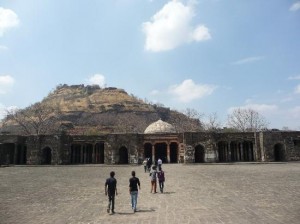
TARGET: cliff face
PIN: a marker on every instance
(93, 110)
(93, 99)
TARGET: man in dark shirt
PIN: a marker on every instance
(134, 184)
(111, 191)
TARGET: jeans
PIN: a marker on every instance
(161, 186)
(111, 202)
(134, 195)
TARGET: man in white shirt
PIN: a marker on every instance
(159, 162)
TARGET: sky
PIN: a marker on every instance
(212, 56)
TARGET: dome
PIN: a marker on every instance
(159, 127)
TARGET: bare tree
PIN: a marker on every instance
(246, 120)
(212, 123)
(192, 113)
(37, 119)
(34, 121)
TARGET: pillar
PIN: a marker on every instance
(168, 153)
(229, 152)
(242, 152)
(81, 153)
(153, 154)
(15, 154)
(93, 154)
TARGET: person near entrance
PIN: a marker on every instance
(159, 162)
(153, 175)
(145, 165)
(149, 164)
(111, 191)
(161, 179)
(134, 184)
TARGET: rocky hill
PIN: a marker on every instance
(89, 110)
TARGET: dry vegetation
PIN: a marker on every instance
(91, 110)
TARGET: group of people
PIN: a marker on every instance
(134, 184)
(157, 175)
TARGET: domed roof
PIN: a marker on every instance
(159, 127)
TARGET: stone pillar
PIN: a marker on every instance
(81, 153)
(93, 154)
(84, 154)
(15, 154)
(242, 152)
(153, 154)
(229, 152)
(251, 153)
(168, 153)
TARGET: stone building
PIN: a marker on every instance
(160, 140)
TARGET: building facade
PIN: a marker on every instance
(160, 140)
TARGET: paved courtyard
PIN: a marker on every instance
(218, 193)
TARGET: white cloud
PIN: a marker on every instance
(188, 90)
(260, 108)
(297, 89)
(6, 82)
(171, 27)
(8, 20)
(297, 77)
(295, 112)
(295, 6)
(3, 48)
(3, 110)
(97, 79)
(248, 60)
(154, 92)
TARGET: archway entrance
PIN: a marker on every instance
(279, 154)
(75, 154)
(173, 152)
(161, 152)
(21, 154)
(99, 153)
(46, 156)
(148, 151)
(223, 151)
(199, 154)
(123, 155)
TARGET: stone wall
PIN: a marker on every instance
(129, 148)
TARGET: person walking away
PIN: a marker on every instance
(149, 164)
(161, 179)
(134, 184)
(153, 174)
(111, 191)
(145, 165)
(159, 162)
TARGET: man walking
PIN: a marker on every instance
(111, 191)
(134, 184)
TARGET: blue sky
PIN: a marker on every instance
(208, 55)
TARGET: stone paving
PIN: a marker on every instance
(214, 193)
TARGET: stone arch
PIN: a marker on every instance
(279, 152)
(173, 152)
(148, 151)
(75, 154)
(46, 156)
(247, 150)
(123, 155)
(21, 154)
(99, 153)
(223, 151)
(7, 153)
(161, 152)
(234, 151)
(199, 154)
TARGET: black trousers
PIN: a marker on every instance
(111, 202)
